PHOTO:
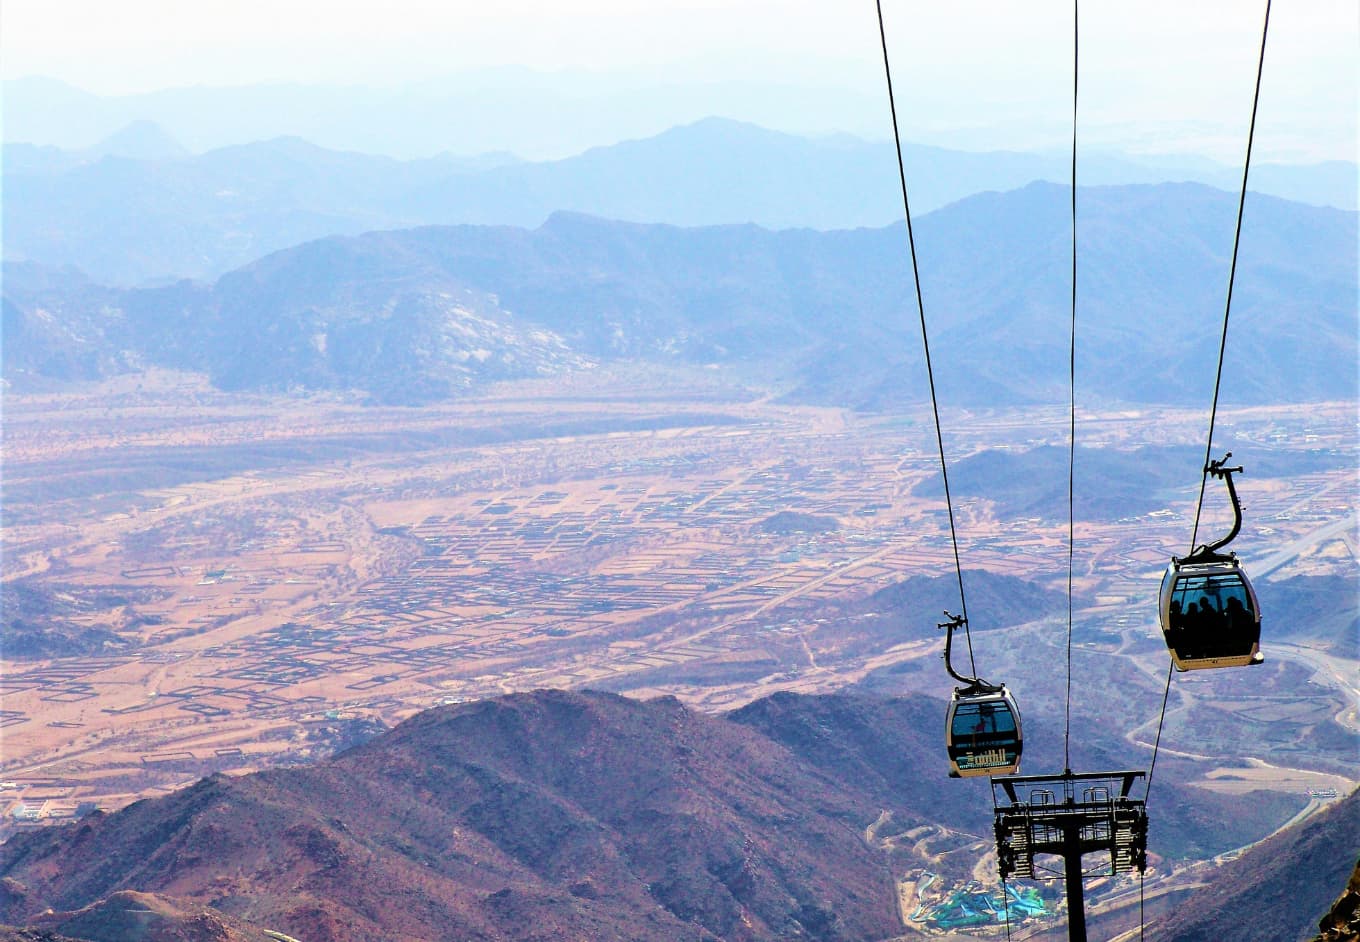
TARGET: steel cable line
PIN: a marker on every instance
(1232, 274)
(1213, 409)
(1147, 792)
(925, 339)
(939, 437)
(1141, 892)
(1072, 401)
(1157, 743)
(1222, 347)
(1006, 908)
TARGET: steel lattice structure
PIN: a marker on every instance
(1070, 815)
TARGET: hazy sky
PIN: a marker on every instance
(1178, 66)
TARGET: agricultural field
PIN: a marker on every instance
(198, 581)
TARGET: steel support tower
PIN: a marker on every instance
(1070, 815)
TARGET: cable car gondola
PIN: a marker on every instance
(982, 730)
(1209, 613)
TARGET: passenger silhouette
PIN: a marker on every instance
(1175, 632)
(1242, 626)
(1192, 635)
(1209, 629)
(986, 723)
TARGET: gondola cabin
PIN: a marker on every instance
(1209, 613)
(982, 732)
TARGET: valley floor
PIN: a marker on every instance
(276, 578)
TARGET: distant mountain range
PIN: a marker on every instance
(542, 115)
(420, 314)
(1131, 483)
(551, 114)
(552, 815)
(138, 207)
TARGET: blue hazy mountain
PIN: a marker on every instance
(134, 209)
(540, 114)
(424, 313)
(140, 140)
(126, 220)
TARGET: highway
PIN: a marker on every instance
(1345, 528)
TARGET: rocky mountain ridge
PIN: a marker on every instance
(528, 817)
(547, 815)
(1279, 890)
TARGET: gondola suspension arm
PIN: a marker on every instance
(1217, 469)
(974, 684)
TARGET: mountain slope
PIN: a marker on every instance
(1278, 890)
(529, 817)
(1342, 921)
(566, 814)
(128, 916)
(423, 313)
